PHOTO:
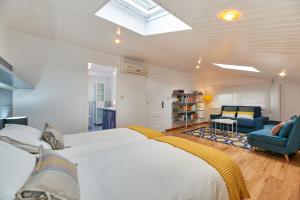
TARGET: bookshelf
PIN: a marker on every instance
(187, 108)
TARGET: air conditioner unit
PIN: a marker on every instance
(134, 69)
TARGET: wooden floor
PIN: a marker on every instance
(267, 176)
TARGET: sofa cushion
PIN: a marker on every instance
(233, 118)
(230, 108)
(286, 128)
(246, 109)
(230, 114)
(265, 136)
(269, 126)
(245, 115)
(294, 118)
(246, 122)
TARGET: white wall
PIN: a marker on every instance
(3, 38)
(290, 99)
(284, 95)
(59, 74)
(171, 79)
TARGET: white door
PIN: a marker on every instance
(156, 103)
(132, 100)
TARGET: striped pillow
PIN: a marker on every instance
(230, 114)
(54, 177)
(245, 115)
(26, 147)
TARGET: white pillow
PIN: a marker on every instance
(230, 114)
(25, 134)
(16, 166)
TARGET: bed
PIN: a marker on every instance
(128, 164)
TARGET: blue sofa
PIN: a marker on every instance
(285, 145)
(246, 125)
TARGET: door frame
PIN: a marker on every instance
(86, 91)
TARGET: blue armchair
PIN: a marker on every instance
(284, 145)
(246, 125)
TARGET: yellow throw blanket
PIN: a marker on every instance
(223, 163)
(149, 133)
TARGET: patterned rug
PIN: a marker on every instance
(238, 140)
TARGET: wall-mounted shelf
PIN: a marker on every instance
(8, 80)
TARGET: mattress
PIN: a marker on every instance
(123, 164)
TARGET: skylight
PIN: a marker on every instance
(142, 16)
(237, 67)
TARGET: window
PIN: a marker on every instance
(141, 16)
(237, 67)
(144, 8)
(244, 95)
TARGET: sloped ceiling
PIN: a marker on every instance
(267, 35)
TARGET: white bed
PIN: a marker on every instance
(118, 164)
(123, 164)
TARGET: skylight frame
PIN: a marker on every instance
(127, 16)
(146, 4)
(140, 10)
(237, 67)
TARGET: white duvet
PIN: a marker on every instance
(122, 164)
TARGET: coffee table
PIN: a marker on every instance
(223, 123)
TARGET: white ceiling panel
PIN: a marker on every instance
(266, 36)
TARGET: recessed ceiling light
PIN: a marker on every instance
(229, 15)
(237, 67)
(197, 67)
(199, 61)
(117, 41)
(282, 73)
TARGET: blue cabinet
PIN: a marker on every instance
(109, 118)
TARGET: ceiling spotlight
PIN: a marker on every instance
(118, 31)
(199, 61)
(282, 73)
(117, 41)
(229, 15)
(197, 67)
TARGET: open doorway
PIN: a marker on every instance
(102, 83)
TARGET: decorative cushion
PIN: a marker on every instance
(245, 115)
(54, 177)
(276, 129)
(53, 137)
(286, 128)
(26, 147)
(24, 134)
(246, 109)
(230, 108)
(230, 114)
(294, 118)
(16, 166)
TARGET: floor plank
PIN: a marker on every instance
(267, 175)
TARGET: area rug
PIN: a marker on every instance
(238, 140)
